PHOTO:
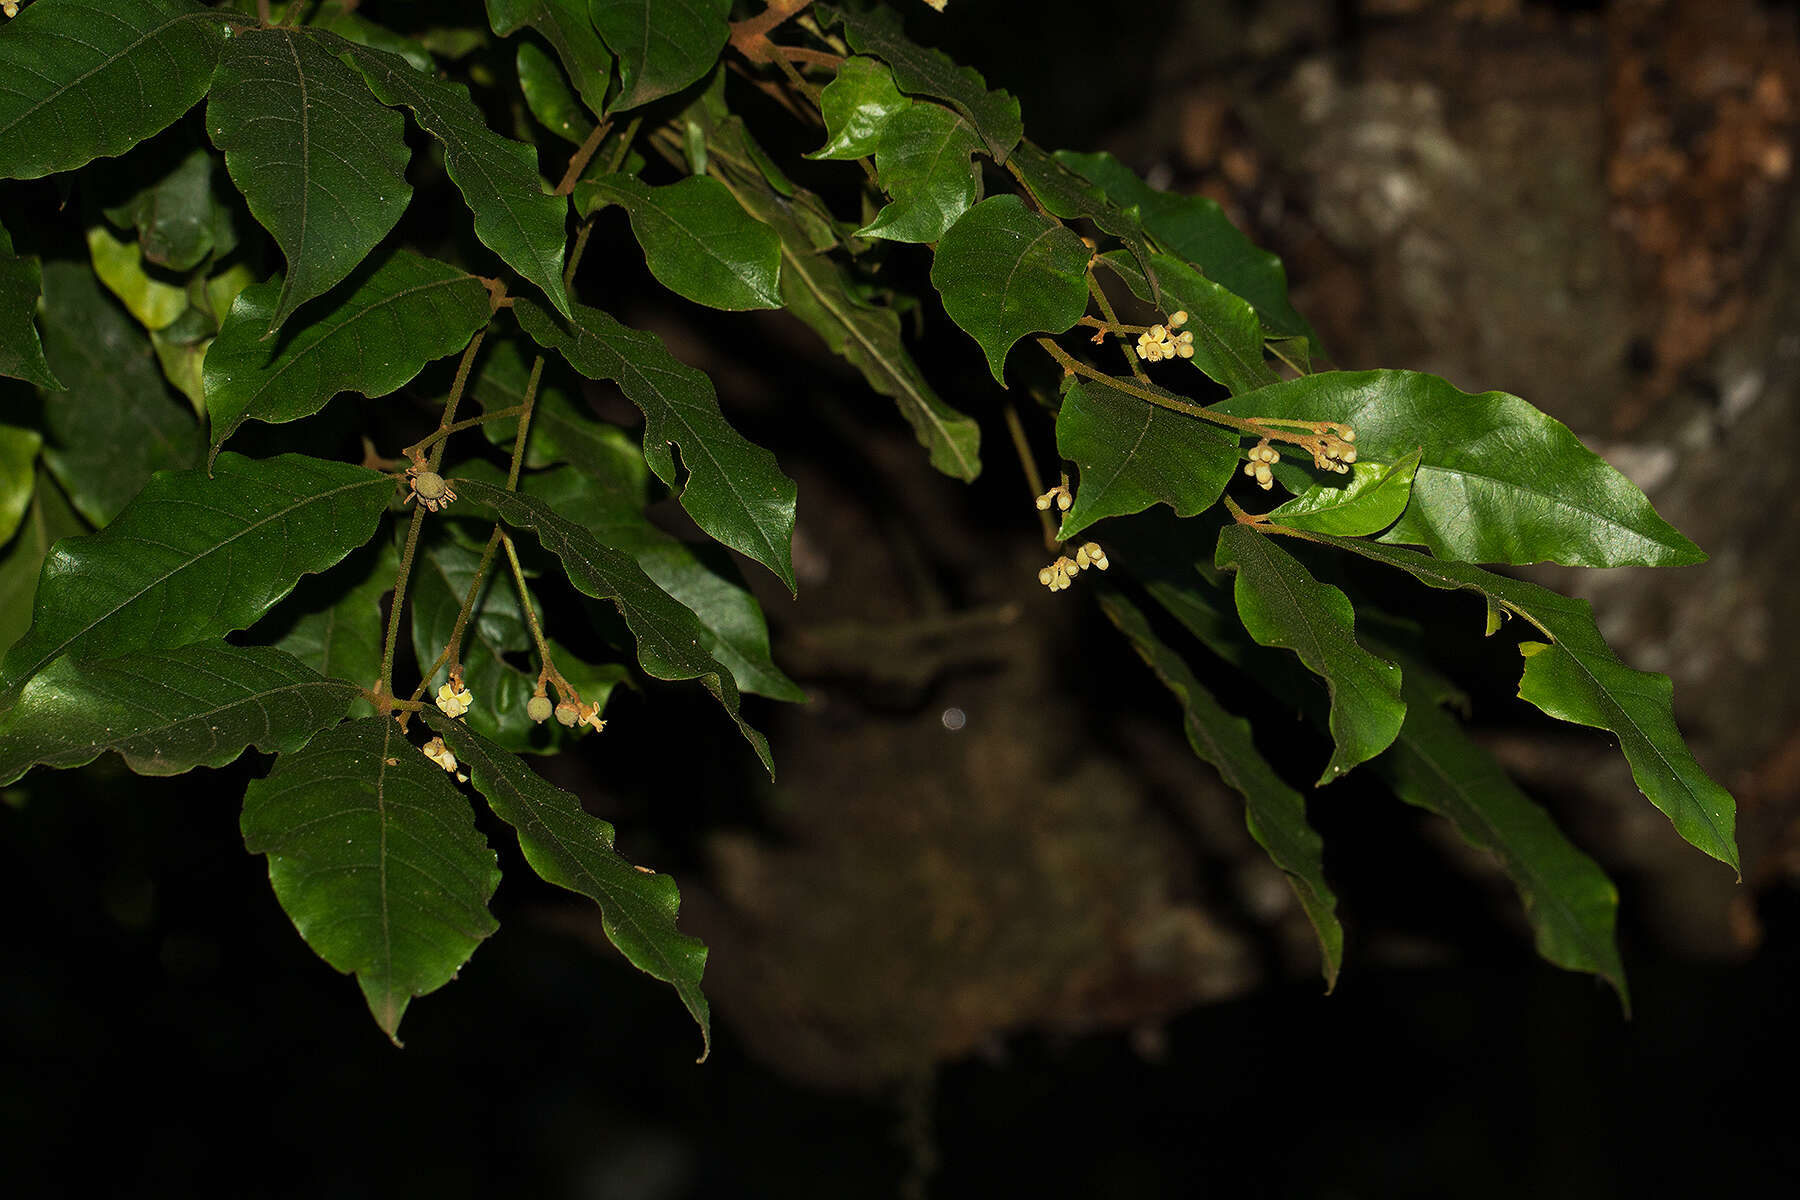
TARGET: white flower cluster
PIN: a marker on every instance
(1059, 574)
(1262, 456)
(1163, 342)
(1059, 496)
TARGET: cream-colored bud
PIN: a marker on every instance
(1064, 500)
(1043, 502)
(1349, 435)
(1250, 468)
(1045, 576)
(1349, 455)
(1179, 318)
(1185, 350)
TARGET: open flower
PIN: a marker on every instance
(454, 699)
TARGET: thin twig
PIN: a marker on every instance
(1032, 479)
(579, 160)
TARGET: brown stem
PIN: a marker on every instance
(579, 160)
(750, 37)
(1032, 479)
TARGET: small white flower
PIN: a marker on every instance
(454, 699)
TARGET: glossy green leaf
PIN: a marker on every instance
(1281, 604)
(1005, 271)
(333, 622)
(515, 215)
(924, 72)
(857, 105)
(566, 26)
(735, 491)
(21, 283)
(1274, 812)
(1065, 194)
(118, 422)
(392, 320)
(1580, 679)
(181, 214)
(697, 240)
(569, 848)
(194, 556)
(548, 95)
(662, 45)
(1134, 454)
(1499, 481)
(1571, 904)
(21, 561)
(320, 163)
(375, 857)
(18, 475)
(1370, 499)
(924, 162)
(166, 711)
(86, 79)
(669, 637)
(1196, 229)
(1228, 341)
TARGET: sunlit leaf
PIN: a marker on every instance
(857, 105)
(21, 353)
(662, 45)
(924, 162)
(1368, 501)
(566, 25)
(697, 240)
(925, 72)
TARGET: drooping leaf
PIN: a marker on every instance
(548, 94)
(697, 240)
(515, 215)
(320, 163)
(669, 637)
(662, 45)
(1228, 340)
(1005, 271)
(735, 491)
(194, 556)
(375, 857)
(381, 332)
(573, 850)
(1196, 229)
(21, 282)
(86, 79)
(333, 622)
(1065, 194)
(1134, 454)
(924, 72)
(47, 520)
(18, 475)
(566, 25)
(180, 212)
(857, 105)
(1499, 481)
(1578, 678)
(1281, 604)
(117, 422)
(924, 162)
(1368, 501)
(166, 711)
(1274, 812)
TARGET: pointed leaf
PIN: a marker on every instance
(1063, 193)
(669, 637)
(81, 79)
(193, 557)
(857, 105)
(1275, 812)
(548, 95)
(47, 520)
(18, 475)
(1499, 481)
(321, 164)
(566, 26)
(573, 850)
(1134, 454)
(697, 240)
(1228, 340)
(1281, 604)
(168, 711)
(1005, 271)
(662, 45)
(924, 162)
(1372, 498)
(374, 337)
(21, 282)
(735, 491)
(515, 215)
(375, 857)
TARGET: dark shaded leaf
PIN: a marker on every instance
(333, 622)
(1063, 193)
(697, 240)
(924, 162)
(339, 17)
(182, 215)
(662, 45)
(566, 25)
(1228, 342)
(548, 95)
(21, 283)
(857, 105)
(1372, 498)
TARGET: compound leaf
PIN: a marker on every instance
(662, 45)
(924, 162)
(697, 240)
(566, 25)
(21, 353)
(857, 105)
(375, 857)
(1371, 499)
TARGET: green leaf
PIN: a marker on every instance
(152, 300)
(1196, 229)
(573, 850)
(1499, 480)
(21, 283)
(181, 215)
(1134, 454)
(49, 519)
(322, 166)
(167, 711)
(669, 637)
(735, 491)
(566, 26)
(81, 79)
(923, 72)
(697, 240)
(1571, 904)
(1371, 500)
(118, 422)
(548, 95)
(1005, 271)
(193, 557)
(515, 215)
(923, 161)
(404, 313)
(336, 16)
(1281, 604)
(1228, 342)
(662, 45)
(1063, 193)
(1274, 812)
(857, 105)
(333, 622)
(1580, 679)
(18, 477)
(375, 857)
